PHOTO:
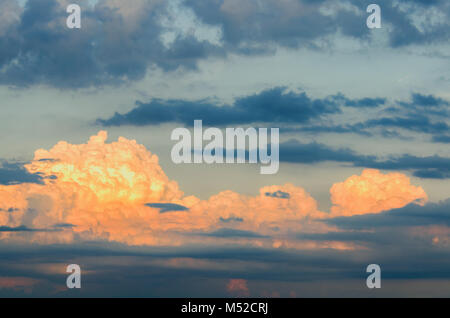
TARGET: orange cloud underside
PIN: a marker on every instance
(102, 188)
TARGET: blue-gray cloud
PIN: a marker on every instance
(230, 233)
(282, 270)
(23, 228)
(231, 219)
(276, 105)
(424, 114)
(410, 215)
(296, 152)
(443, 139)
(266, 23)
(15, 173)
(64, 225)
(434, 167)
(167, 207)
(278, 194)
(298, 112)
(38, 48)
(9, 210)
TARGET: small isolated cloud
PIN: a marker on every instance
(238, 287)
(9, 210)
(278, 194)
(226, 232)
(23, 228)
(231, 219)
(373, 192)
(64, 225)
(167, 207)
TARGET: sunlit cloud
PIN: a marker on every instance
(118, 192)
(374, 192)
(18, 283)
(238, 287)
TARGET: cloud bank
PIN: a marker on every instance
(119, 43)
(118, 192)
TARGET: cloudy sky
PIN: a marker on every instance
(86, 175)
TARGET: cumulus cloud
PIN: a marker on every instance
(373, 192)
(118, 192)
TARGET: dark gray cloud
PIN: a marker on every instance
(23, 228)
(348, 236)
(268, 22)
(9, 210)
(442, 139)
(432, 174)
(15, 173)
(167, 207)
(294, 151)
(230, 233)
(421, 114)
(424, 167)
(150, 271)
(420, 124)
(275, 105)
(425, 101)
(38, 48)
(278, 194)
(424, 114)
(64, 225)
(410, 215)
(231, 219)
(319, 128)
(406, 29)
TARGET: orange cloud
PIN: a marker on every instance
(238, 287)
(18, 283)
(101, 191)
(374, 192)
(103, 188)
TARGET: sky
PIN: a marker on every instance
(87, 178)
